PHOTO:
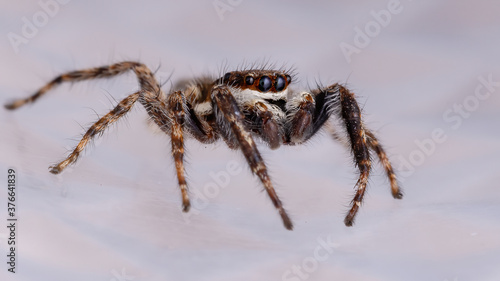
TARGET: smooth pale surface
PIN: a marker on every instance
(116, 214)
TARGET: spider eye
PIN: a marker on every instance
(265, 84)
(280, 83)
(249, 80)
(226, 77)
(288, 79)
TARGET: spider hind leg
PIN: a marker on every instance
(169, 118)
(74, 76)
(384, 160)
(97, 128)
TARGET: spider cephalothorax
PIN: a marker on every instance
(238, 107)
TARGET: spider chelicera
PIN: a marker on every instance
(238, 107)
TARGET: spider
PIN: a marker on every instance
(238, 107)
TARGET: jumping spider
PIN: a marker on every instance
(237, 107)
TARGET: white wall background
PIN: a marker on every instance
(116, 214)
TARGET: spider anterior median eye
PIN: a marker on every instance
(249, 80)
(280, 83)
(265, 83)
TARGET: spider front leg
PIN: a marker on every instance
(230, 113)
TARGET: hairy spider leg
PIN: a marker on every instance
(338, 100)
(355, 128)
(74, 76)
(359, 138)
(150, 96)
(96, 129)
(176, 102)
(384, 160)
(228, 107)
